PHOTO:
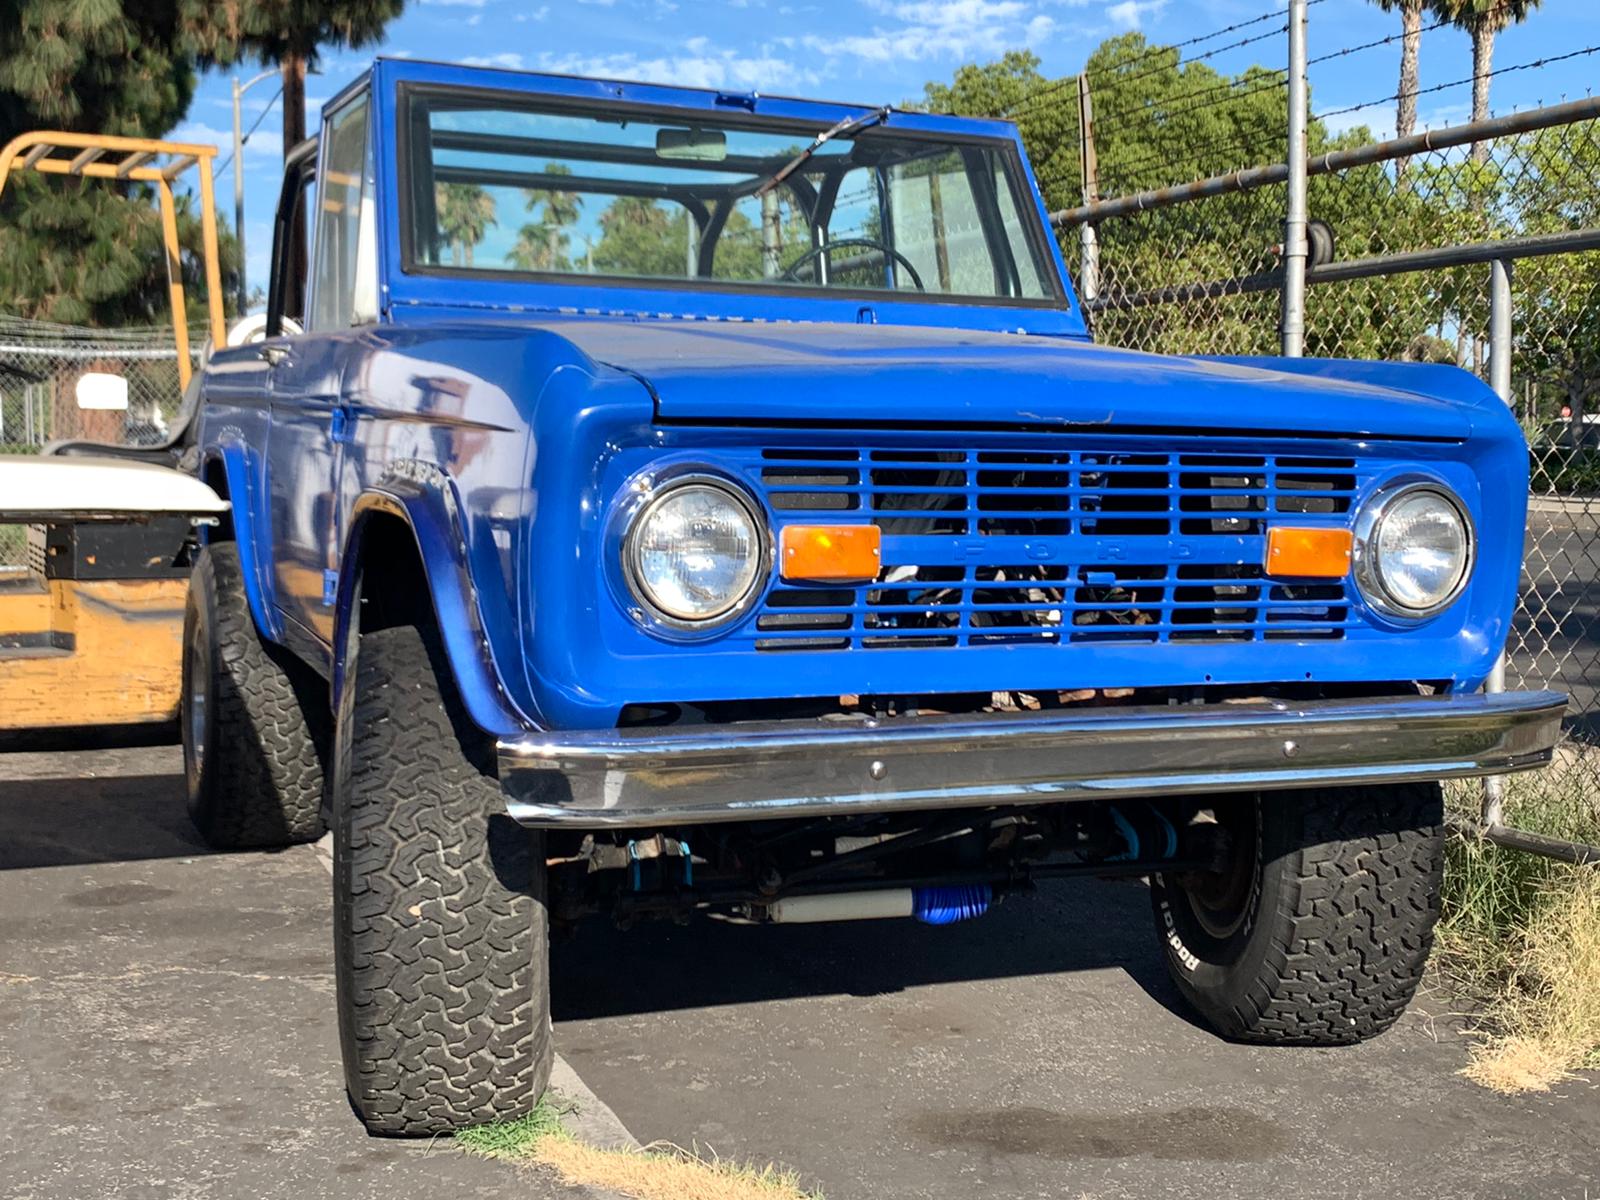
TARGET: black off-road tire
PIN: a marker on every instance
(254, 722)
(1333, 905)
(441, 940)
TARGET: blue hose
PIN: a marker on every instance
(947, 905)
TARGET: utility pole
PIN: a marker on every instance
(238, 196)
(239, 139)
(1292, 328)
(771, 235)
(1089, 173)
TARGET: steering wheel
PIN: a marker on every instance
(792, 271)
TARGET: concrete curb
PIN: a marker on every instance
(587, 1117)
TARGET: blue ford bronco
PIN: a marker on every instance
(653, 502)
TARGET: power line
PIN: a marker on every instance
(245, 140)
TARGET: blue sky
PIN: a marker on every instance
(884, 50)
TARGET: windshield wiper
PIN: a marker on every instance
(843, 129)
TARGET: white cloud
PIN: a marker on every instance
(1377, 117)
(508, 59)
(265, 143)
(1130, 14)
(913, 30)
(699, 65)
(537, 14)
(457, 3)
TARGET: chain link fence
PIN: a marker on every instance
(1402, 265)
(41, 366)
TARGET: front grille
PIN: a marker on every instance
(1055, 546)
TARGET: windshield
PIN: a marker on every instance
(498, 185)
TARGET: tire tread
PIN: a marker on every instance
(441, 926)
(263, 784)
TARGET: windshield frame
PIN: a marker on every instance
(1036, 238)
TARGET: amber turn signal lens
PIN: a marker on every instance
(829, 552)
(1308, 553)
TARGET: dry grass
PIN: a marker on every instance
(1521, 937)
(653, 1173)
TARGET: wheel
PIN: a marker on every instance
(254, 722)
(441, 941)
(1316, 928)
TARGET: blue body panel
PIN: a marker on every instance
(503, 421)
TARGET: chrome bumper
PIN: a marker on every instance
(626, 778)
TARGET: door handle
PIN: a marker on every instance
(273, 355)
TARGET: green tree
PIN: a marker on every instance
(466, 214)
(1159, 121)
(640, 237)
(88, 251)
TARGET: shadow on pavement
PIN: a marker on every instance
(90, 737)
(116, 818)
(1068, 926)
(599, 971)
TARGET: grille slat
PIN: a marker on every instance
(1056, 546)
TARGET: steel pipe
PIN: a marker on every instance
(1335, 160)
(1506, 249)
(1292, 323)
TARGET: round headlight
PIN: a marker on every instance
(1415, 551)
(694, 553)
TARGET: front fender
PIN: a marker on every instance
(425, 500)
(241, 469)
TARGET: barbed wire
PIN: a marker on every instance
(1036, 101)
(1228, 85)
(1454, 83)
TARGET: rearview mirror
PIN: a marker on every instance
(693, 145)
(99, 390)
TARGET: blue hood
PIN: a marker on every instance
(882, 374)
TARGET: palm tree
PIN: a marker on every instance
(1483, 19)
(466, 212)
(542, 244)
(1405, 113)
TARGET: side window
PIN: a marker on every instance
(344, 269)
(286, 283)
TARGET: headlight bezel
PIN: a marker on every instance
(1368, 568)
(647, 493)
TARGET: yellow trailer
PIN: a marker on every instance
(91, 628)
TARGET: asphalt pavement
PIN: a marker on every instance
(166, 1029)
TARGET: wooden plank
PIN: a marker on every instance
(125, 667)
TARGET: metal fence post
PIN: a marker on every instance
(1500, 380)
(1292, 326)
(1089, 172)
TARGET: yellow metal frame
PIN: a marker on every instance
(145, 160)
